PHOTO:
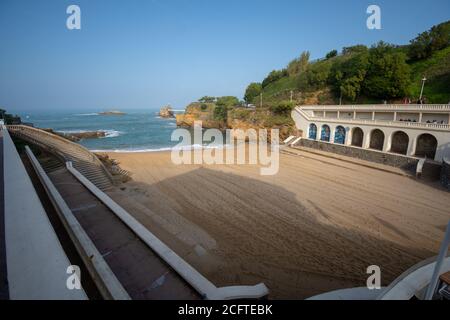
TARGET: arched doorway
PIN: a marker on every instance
(312, 131)
(426, 146)
(339, 135)
(400, 141)
(376, 139)
(357, 137)
(325, 133)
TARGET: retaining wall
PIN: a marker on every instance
(431, 169)
(445, 174)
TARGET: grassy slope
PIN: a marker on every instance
(437, 70)
(437, 88)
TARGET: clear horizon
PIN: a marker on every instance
(142, 55)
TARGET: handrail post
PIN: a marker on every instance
(437, 269)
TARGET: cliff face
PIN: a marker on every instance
(244, 119)
(199, 112)
(238, 118)
(284, 130)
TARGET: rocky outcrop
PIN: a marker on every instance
(166, 112)
(243, 118)
(112, 113)
(285, 130)
(237, 118)
(198, 111)
(77, 136)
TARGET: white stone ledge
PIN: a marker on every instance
(36, 261)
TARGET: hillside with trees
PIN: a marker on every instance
(358, 74)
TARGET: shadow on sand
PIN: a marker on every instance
(262, 233)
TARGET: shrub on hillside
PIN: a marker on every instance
(282, 108)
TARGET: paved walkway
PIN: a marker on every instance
(36, 262)
(141, 272)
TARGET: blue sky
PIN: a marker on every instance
(143, 54)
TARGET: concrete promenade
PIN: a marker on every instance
(36, 262)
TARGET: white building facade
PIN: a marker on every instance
(411, 130)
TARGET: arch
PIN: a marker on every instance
(339, 135)
(426, 146)
(376, 139)
(400, 141)
(312, 131)
(325, 133)
(357, 137)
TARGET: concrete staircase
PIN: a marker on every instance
(82, 159)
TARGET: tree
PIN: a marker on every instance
(318, 73)
(347, 76)
(331, 54)
(388, 75)
(298, 65)
(207, 99)
(227, 101)
(423, 46)
(253, 90)
(359, 48)
(274, 76)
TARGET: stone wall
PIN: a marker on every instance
(431, 169)
(445, 174)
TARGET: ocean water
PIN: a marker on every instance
(135, 131)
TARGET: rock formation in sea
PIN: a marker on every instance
(112, 113)
(166, 112)
(77, 136)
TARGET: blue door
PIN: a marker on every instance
(339, 135)
(312, 131)
(325, 134)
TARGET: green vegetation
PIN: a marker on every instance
(363, 75)
(428, 42)
(436, 69)
(9, 118)
(282, 108)
(207, 99)
(358, 74)
(253, 91)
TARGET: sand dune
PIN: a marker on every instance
(315, 226)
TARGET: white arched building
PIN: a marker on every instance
(411, 130)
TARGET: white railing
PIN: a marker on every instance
(35, 133)
(419, 125)
(379, 107)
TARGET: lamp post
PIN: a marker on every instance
(421, 90)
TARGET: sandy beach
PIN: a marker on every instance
(314, 227)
